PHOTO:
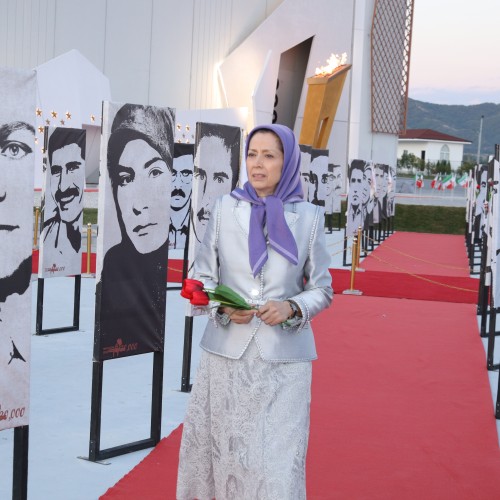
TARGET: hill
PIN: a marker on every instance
(460, 121)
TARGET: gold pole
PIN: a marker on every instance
(355, 258)
(358, 253)
(353, 261)
(89, 245)
(35, 237)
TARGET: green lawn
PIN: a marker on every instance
(412, 218)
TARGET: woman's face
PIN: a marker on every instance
(143, 185)
(16, 168)
(264, 163)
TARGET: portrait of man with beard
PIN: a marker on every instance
(63, 211)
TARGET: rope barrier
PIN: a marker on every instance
(422, 278)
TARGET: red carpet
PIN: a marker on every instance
(415, 266)
(420, 253)
(408, 286)
(401, 408)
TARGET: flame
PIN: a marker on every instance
(333, 62)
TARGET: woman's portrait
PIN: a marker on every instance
(17, 144)
(130, 308)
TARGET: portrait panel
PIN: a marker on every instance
(180, 198)
(305, 172)
(135, 188)
(381, 183)
(215, 173)
(357, 192)
(318, 168)
(17, 143)
(62, 212)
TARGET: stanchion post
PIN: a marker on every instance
(35, 236)
(89, 245)
(354, 259)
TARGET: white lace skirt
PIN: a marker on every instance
(246, 430)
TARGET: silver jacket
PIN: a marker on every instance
(223, 257)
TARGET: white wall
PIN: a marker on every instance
(159, 52)
(432, 151)
(166, 52)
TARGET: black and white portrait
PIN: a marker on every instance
(318, 168)
(479, 214)
(215, 172)
(381, 181)
(368, 197)
(357, 190)
(62, 214)
(134, 215)
(305, 171)
(391, 191)
(17, 143)
(180, 198)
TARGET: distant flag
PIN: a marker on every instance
(464, 181)
(448, 182)
(419, 180)
(435, 182)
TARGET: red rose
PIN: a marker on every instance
(189, 286)
(199, 298)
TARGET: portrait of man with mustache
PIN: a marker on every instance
(65, 180)
(180, 198)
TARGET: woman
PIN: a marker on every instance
(130, 313)
(247, 426)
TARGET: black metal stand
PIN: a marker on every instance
(186, 356)
(20, 463)
(95, 452)
(344, 255)
(188, 334)
(76, 309)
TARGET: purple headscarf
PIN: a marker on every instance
(269, 210)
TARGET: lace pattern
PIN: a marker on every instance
(246, 430)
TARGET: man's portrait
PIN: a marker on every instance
(481, 175)
(215, 171)
(380, 206)
(305, 172)
(17, 143)
(391, 191)
(338, 182)
(131, 289)
(368, 197)
(180, 198)
(318, 167)
(60, 243)
(355, 197)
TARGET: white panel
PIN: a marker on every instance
(127, 50)
(81, 26)
(171, 53)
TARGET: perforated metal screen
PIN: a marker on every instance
(390, 64)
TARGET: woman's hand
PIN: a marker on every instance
(274, 312)
(239, 316)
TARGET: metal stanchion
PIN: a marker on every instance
(35, 237)
(354, 260)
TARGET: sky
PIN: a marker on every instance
(455, 52)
